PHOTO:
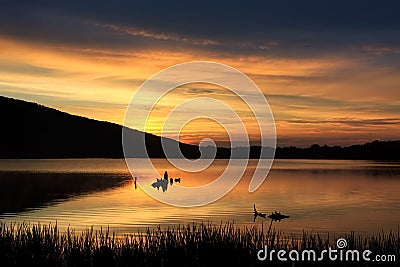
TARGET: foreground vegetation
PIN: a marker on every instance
(190, 245)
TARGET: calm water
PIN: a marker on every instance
(319, 195)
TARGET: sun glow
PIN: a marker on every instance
(303, 93)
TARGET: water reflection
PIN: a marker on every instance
(320, 196)
(29, 190)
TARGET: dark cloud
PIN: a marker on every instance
(257, 27)
(313, 102)
(351, 122)
(53, 100)
(119, 81)
(27, 69)
(200, 91)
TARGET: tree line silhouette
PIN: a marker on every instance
(30, 130)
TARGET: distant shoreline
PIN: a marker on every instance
(376, 150)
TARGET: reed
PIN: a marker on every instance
(197, 244)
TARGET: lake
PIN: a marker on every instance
(324, 196)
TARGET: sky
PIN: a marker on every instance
(330, 70)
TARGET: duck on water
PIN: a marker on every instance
(275, 216)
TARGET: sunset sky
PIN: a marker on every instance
(330, 70)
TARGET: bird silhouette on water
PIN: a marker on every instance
(258, 214)
(274, 216)
(277, 216)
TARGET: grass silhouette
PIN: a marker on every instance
(197, 244)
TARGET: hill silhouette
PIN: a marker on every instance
(30, 130)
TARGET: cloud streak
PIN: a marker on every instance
(352, 122)
(261, 28)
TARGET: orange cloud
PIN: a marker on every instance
(331, 99)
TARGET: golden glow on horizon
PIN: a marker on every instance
(195, 130)
(313, 100)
